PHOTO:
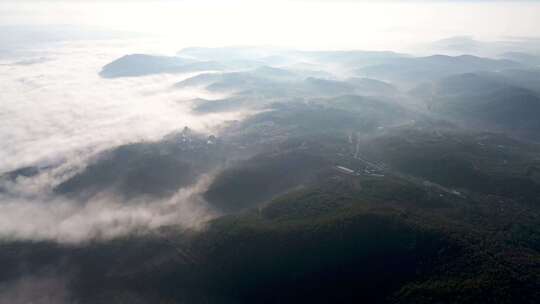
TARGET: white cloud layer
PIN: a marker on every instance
(55, 109)
(58, 107)
(102, 218)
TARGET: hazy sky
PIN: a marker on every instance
(307, 24)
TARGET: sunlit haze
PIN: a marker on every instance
(302, 24)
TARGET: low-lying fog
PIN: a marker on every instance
(56, 105)
(56, 110)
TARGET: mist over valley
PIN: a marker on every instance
(246, 168)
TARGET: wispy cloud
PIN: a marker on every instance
(104, 217)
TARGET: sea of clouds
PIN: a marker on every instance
(55, 110)
(56, 104)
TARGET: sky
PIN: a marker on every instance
(302, 24)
